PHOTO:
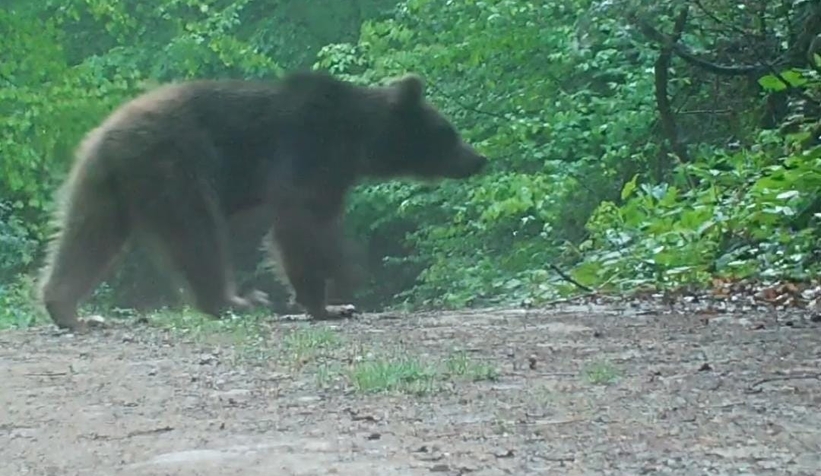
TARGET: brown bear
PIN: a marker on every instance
(174, 164)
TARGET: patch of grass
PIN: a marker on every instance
(403, 374)
(191, 322)
(328, 374)
(397, 371)
(247, 333)
(251, 335)
(460, 364)
(307, 342)
(600, 373)
(326, 353)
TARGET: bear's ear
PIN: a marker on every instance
(408, 90)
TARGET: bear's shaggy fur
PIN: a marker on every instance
(174, 164)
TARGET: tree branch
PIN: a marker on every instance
(569, 278)
(662, 76)
(685, 54)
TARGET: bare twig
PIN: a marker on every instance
(672, 44)
(804, 376)
(468, 107)
(569, 278)
(151, 431)
(711, 112)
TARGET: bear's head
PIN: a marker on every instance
(416, 140)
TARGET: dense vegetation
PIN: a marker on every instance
(634, 143)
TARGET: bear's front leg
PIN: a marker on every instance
(309, 250)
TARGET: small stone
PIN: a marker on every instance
(95, 321)
(320, 446)
(309, 399)
(504, 454)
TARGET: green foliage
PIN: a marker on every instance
(785, 80)
(547, 124)
(752, 213)
(17, 249)
(560, 96)
(17, 308)
(55, 88)
(748, 214)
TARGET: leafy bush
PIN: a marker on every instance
(17, 304)
(17, 248)
(748, 214)
(547, 126)
(562, 96)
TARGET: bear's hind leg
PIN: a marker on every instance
(189, 228)
(93, 230)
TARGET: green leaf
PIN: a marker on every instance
(772, 83)
(629, 187)
(794, 77)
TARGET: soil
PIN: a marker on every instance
(580, 390)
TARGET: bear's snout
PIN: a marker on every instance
(467, 163)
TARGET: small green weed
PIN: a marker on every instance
(248, 333)
(399, 372)
(600, 373)
(328, 373)
(461, 365)
(250, 328)
(393, 374)
(307, 342)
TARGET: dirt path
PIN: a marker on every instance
(580, 392)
